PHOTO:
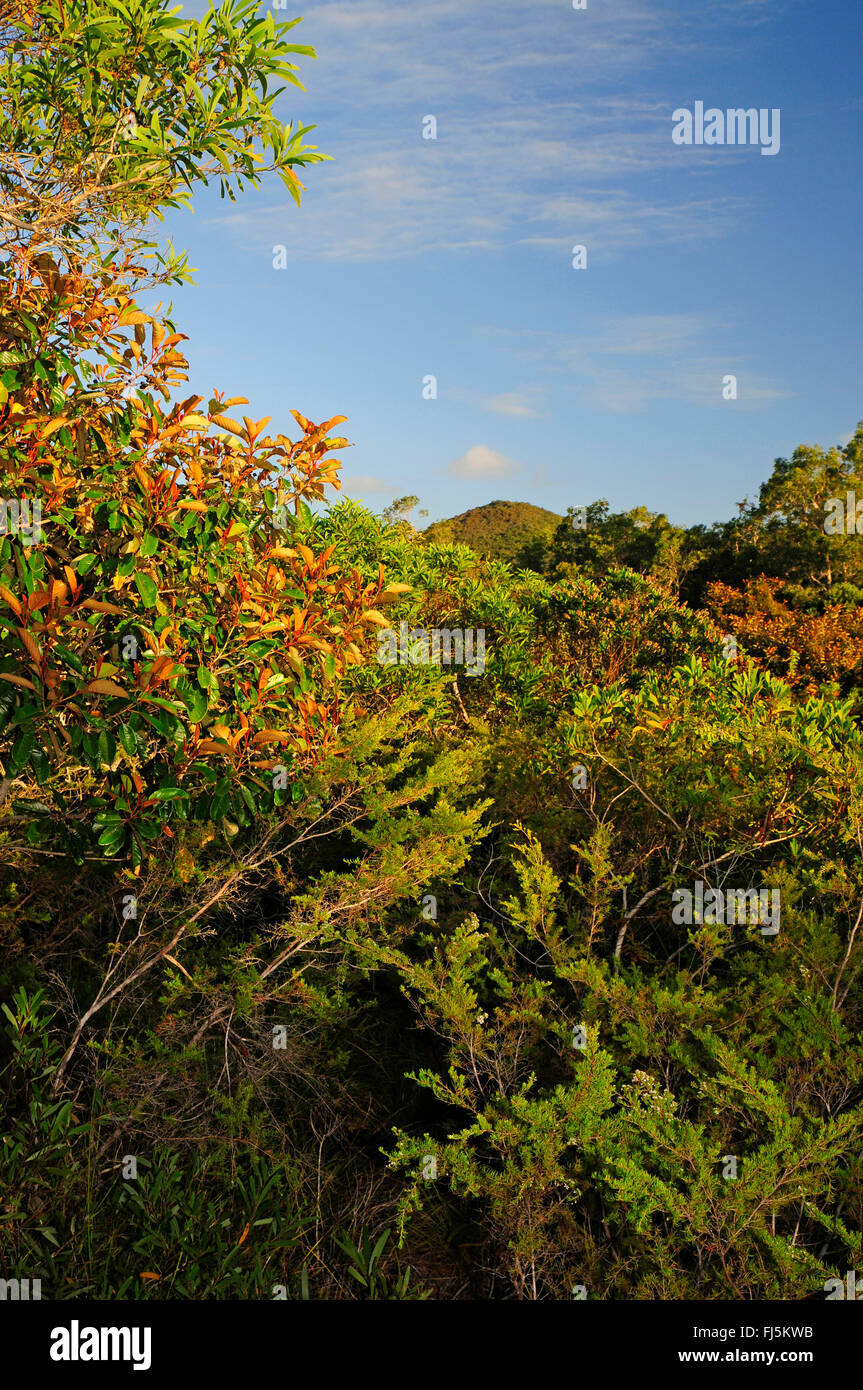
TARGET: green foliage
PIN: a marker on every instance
(546, 1067)
(364, 1268)
(116, 111)
(593, 540)
(165, 647)
(435, 980)
(783, 535)
(515, 531)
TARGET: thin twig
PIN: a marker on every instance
(847, 953)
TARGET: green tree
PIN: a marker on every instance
(597, 540)
(789, 534)
(793, 507)
(144, 615)
(111, 113)
(399, 510)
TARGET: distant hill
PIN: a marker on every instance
(499, 530)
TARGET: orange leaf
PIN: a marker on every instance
(226, 423)
(30, 644)
(254, 427)
(106, 687)
(145, 482)
(53, 426)
(160, 668)
(9, 598)
(99, 605)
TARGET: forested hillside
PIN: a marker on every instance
(379, 920)
(514, 531)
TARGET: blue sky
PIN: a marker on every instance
(453, 257)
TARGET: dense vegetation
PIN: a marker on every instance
(324, 977)
(514, 531)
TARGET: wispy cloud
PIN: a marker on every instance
(485, 190)
(633, 360)
(522, 404)
(510, 403)
(482, 462)
(517, 160)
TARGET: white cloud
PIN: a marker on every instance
(510, 403)
(482, 462)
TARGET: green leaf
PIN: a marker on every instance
(21, 750)
(197, 704)
(128, 740)
(107, 746)
(147, 588)
(114, 836)
(31, 808)
(168, 794)
(40, 765)
(161, 723)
